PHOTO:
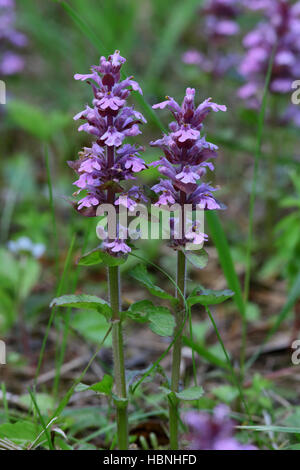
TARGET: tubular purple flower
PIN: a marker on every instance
(185, 157)
(108, 162)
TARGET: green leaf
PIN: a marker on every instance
(225, 393)
(290, 202)
(9, 270)
(252, 312)
(90, 302)
(140, 274)
(30, 276)
(199, 259)
(209, 297)
(162, 322)
(90, 258)
(103, 387)
(90, 325)
(20, 432)
(60, 444)
(189, 394)
(98, 256)
(139, 311)
(8, 311)
(45, 402)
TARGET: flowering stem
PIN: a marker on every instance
(118, 355)
(117, 338)
(100, 175)
(176, 360)
(184, 163)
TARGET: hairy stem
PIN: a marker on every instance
(176, 359)
(118, 356)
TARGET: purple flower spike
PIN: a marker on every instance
(185, 160)
(212, 432)
(279, 28)
(220, 24)
(11, 62)
(221, 18)
(108, 162)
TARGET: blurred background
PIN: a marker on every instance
(223, 49)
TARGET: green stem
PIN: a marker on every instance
(176, 359)
(117, 337)
(118, 355)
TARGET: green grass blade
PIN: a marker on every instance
(226, 261)
(84, 27)
(203, 352)
(292, 430)
(219, 238)
(46, 430)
